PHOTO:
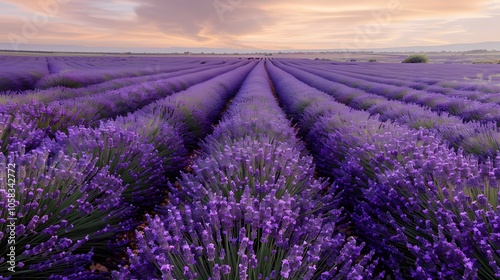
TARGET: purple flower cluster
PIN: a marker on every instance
(126, 154)
(19, 132)
(227, 238)
(47, 118)
(164, 137)
(250, 210)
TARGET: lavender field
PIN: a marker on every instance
(248, 168)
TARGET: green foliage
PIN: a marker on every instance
(417, 58)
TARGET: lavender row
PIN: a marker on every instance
(244, 211)
(169, 126)
(428, 211)
(474, 138)
(94, 75)
(60, 93)
(200, 106)
(319, 117)
(165, 126)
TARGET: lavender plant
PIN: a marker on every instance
(64, 208)
(125, 153)
(164, 137)
(19, 132)
(194, 110)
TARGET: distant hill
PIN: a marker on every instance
(76, 48)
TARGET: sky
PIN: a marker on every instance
(249, 24)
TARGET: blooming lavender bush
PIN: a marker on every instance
(164, 137)
(66, 209)
(125, 153)
(19, 132)
(250, 164)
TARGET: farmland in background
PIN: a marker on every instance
(303, 166)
